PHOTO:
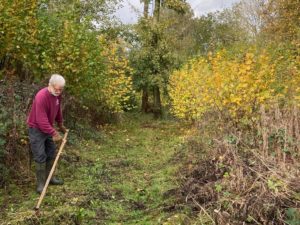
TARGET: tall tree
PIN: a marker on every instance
(156, 91)
(145, 92)
(151, 56)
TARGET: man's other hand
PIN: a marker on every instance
(57, 137)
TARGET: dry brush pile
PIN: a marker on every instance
(247, 177)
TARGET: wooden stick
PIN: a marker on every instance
(37, 207)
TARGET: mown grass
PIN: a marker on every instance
(120, 176)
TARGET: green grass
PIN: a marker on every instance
(118, 177)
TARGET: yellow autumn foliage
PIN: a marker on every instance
(118, 87)
(234, 87)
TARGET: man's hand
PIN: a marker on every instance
(62, 128)
(57, 137)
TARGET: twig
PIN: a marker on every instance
(204, 210)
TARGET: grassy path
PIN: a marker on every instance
(121, 178)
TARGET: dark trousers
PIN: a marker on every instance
(42, 145)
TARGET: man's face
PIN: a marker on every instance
(56, 90)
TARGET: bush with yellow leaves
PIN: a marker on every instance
(235, 87)
(118, 89)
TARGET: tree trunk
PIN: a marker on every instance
(146, 8)
(156, 10)
(145, 95)
(157, 110)
(145, 101)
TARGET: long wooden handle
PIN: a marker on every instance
(52, 171)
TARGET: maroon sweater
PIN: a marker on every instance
(44, 111)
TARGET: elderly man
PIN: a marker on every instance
(46, 109)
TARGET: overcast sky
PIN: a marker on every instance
(131, 9)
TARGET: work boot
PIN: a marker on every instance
(54, 180)
(40, 176)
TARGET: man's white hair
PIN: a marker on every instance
(57, 79)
